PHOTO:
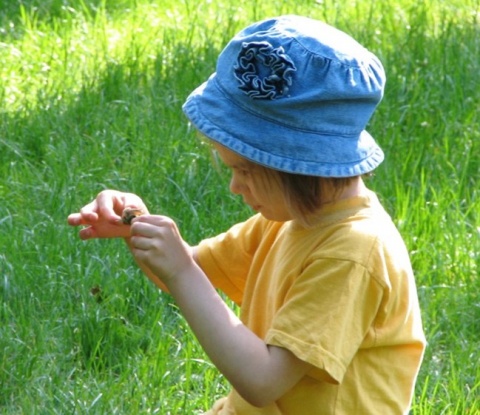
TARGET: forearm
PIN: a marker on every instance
(259, 375)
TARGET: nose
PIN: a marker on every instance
(236, 185)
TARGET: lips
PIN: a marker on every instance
(254, 207)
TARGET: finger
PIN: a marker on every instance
(144, 231)
(105, 204)
(87, 233)
(140, 255)
(103, 231)
(89, 213)
(155, 220)
(141, 243)
(76, 219)
(148, 227)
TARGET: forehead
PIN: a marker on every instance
(229, 157)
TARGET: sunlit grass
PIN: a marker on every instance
(90, 98)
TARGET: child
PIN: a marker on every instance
(330, 320)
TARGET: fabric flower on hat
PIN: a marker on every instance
(264, 72)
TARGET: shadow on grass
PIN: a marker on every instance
(122, 107)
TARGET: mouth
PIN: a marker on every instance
(253, 206)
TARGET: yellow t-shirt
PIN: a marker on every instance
(340, 296)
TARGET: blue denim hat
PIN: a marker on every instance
(293, 94)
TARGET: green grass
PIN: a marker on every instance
(90, 98)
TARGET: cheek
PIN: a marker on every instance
(265, 187)
(263, 193)
(255, 188)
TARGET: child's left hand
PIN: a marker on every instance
(156, 242)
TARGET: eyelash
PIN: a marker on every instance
(243, 172)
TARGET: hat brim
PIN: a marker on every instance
(297, 151)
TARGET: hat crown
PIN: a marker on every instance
(324, 71)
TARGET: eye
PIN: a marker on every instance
(243, 172)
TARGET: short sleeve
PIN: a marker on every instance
(326, 316)
(226, 259)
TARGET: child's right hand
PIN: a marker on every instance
(102, 216)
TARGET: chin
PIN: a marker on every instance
(275, 218)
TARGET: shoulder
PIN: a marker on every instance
(256, 227)
(247, 235)
(363, 234)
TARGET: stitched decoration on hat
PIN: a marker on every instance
(264, 72)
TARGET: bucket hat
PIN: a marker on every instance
(293, 94)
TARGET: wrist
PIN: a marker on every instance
(183, 278)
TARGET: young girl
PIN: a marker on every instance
(330, 321)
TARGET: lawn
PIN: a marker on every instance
(90, 98)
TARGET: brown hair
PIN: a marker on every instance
(303, 194)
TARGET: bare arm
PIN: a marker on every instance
(259, 372)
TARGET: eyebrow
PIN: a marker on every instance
(241, 165)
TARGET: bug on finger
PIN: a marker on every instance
(129, 214)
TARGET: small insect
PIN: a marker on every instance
(129, 214)
(97, 293)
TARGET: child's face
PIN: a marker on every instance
(249, 181)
